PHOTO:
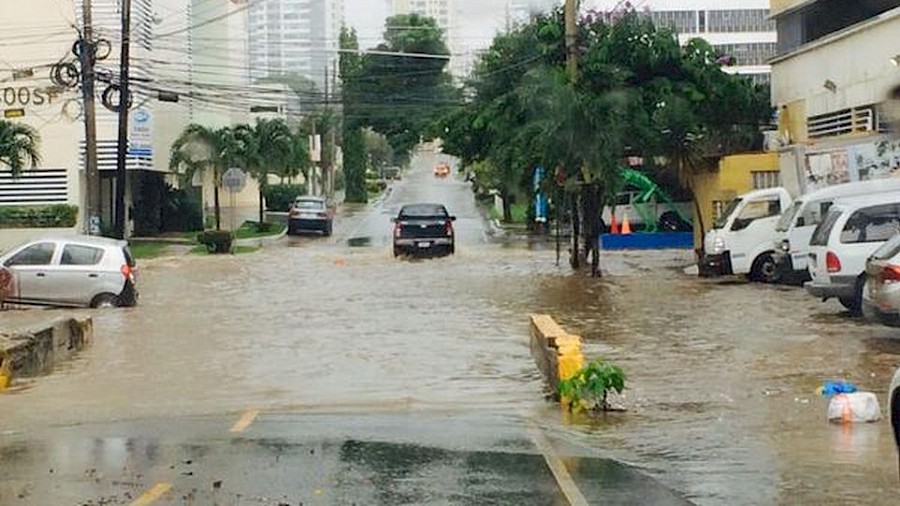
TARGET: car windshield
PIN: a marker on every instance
(423, 211)
(309, 204)
(787, 217)
(729, 210)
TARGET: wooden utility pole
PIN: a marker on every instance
(572, 40)
(571, 18)
(124, 95)
(91, 190)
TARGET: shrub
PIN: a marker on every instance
(51, 216)
(279, 197)
(590, 387)
(216, 241)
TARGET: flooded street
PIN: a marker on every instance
(320, 334)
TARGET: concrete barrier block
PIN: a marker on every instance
(556, 353)
(36, 351)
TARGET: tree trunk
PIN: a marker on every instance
(218, 209)
(263, 183)
(591, 229)
(575, 252)
(507, 206)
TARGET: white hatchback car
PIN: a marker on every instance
(849, 233)
(71, 271)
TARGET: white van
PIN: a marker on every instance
(852, 229)
(740, 242)
(797, 223)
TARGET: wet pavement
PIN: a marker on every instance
(384, 381)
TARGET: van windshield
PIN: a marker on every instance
(729, 210)
(787, 217)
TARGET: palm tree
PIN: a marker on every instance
(18, 146)
(200, 148)
(266, 148)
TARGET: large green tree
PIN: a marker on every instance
(19, 146)
(638, 95)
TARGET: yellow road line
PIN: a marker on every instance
(245, 420)
(150, 496)
(558, 468)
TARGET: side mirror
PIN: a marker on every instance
(453, 218)
(393, 220)
(801, 222)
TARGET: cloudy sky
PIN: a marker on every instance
(476, 20)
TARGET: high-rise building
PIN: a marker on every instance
(520, 11)
(738, 28)
(295, 37)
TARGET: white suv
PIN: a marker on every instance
(70, 271)
(849, 233)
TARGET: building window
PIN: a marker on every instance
(701, 21)
(740, 20)
(824, 17)
(679, 21)
(765, 179)
(845, 121)
(755, 53)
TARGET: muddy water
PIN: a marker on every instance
(722, 386)
(721, 375)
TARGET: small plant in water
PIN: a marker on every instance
(589, 388)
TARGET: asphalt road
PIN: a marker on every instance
(317, 371)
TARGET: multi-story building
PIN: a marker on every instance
(295, 37)
(835, 69)
(738, 28)
(520, 11)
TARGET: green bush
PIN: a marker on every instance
(52, 216)
(375, 186)
(216, 241)
(279, 197)
(591, 385)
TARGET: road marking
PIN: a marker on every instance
(245, 420)
(558, 468)
(150, 496)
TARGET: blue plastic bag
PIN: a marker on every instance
(830, 388)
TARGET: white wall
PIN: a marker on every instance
(857, 61)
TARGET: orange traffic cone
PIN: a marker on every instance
(626, 225)
(613, 225)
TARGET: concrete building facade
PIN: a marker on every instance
(738, 28)
(837, 65)
(295, 37)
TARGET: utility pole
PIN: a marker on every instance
(571, 18)
(122, 148)
(328, 145)
(571, 15)
(91, 174)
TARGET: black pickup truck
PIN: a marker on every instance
(424, 229)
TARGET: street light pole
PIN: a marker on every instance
(91, 197)
(122, 147)
(571, 16)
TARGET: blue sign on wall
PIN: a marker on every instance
(541, 205)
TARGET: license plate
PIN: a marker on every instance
(424, 244)
(307, 216)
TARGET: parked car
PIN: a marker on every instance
(424, 228)
(850, 232)
(881, 290)
(72, 271)
(740, 241)
(797, 223)
(310, 213)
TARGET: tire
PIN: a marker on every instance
(451, 250)
(765, 270)
(105, 300)
(397, 252)
(327, 231)
(854, 305)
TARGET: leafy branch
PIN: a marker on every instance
(590, 387)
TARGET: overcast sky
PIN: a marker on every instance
(476, 21)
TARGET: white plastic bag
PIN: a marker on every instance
(858, 407)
